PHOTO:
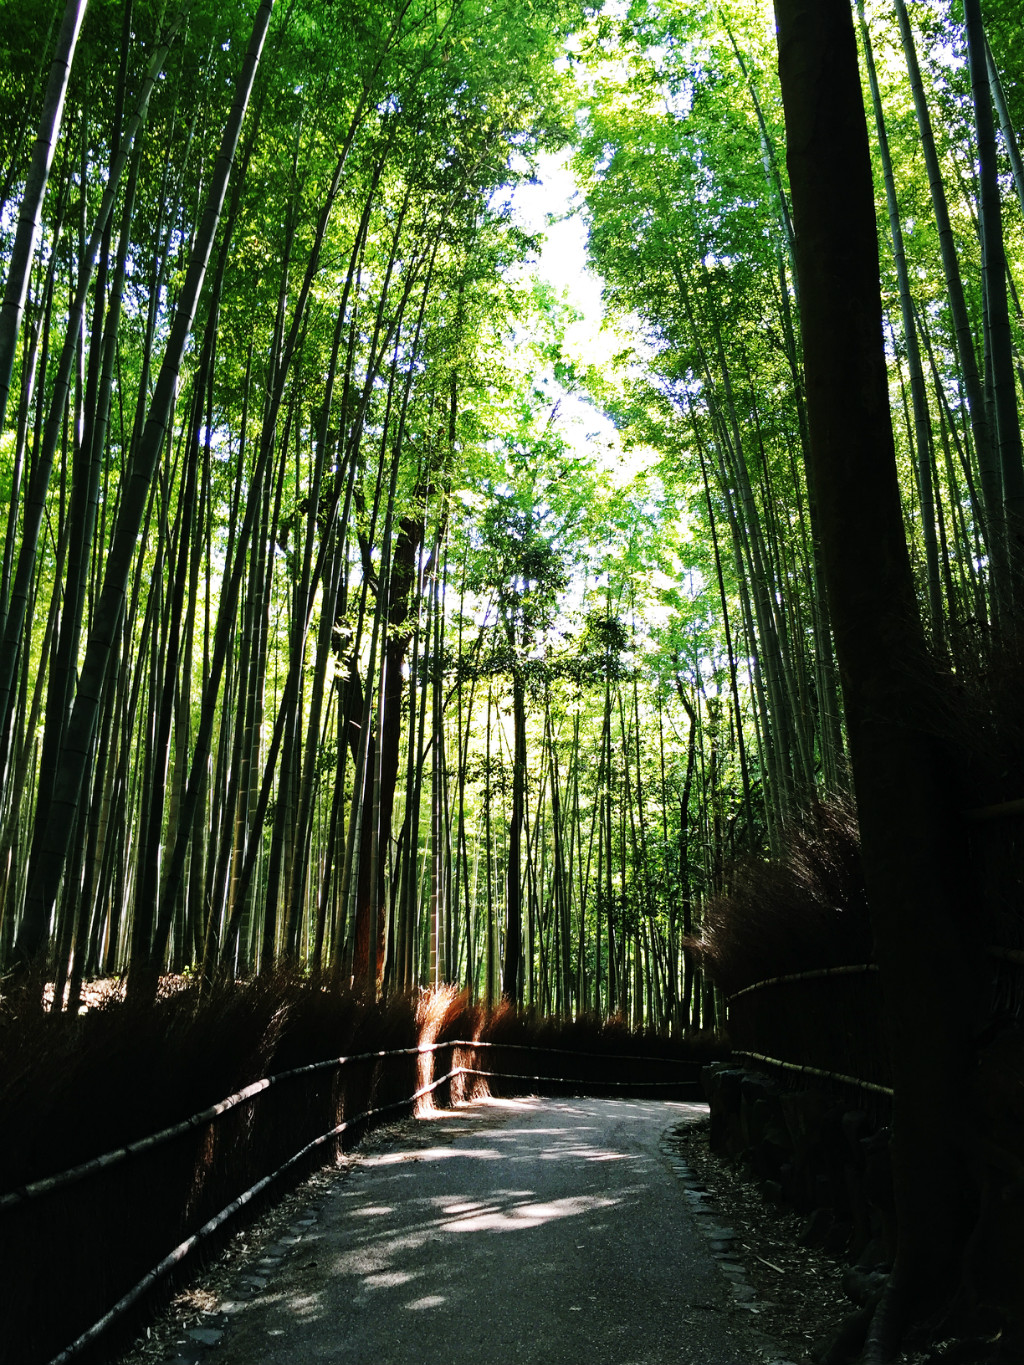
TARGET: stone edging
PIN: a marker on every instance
(719, 1237)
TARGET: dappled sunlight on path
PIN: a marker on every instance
(411, 1262)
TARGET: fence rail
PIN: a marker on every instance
(1015, 955)
(102, 1164)
(815, 974)
(48, 1184)
(179, 1253)
(567, 1080)
(1000, 811)
(818, 1071)
(849, 1036)
(34, 1189)
(823, 1022)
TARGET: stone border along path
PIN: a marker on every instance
(279, 1244)
(720, 1239)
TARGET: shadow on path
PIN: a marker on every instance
(535, 1231)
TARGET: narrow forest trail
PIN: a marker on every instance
(527, 1230)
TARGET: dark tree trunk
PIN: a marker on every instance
(892, 693)
(372, 888)
(512, 971)
(396, 650)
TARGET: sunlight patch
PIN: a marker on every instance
(388, 1279)
(304, 1304)
(528, 1215)
(586, 1154)
(445, 1153)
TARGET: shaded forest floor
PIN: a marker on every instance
(802, 1299)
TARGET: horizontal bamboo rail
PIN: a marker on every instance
(113, 1158)
(855, 969)
(999, 811)
(1007, 954)
(567, 1080)
(817, 1071)
(37, 1188)
(571, 1052)
(179, 1253)
(183, 1249)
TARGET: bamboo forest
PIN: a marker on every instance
(520, 506)
(354, 616)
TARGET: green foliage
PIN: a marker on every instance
(380, 409)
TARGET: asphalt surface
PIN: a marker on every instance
(533, 1231)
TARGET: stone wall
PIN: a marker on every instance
(815, 1151)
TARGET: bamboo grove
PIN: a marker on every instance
(328, 639)
(684, 158)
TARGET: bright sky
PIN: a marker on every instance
(552, 206)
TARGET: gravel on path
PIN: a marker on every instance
(535, 1231)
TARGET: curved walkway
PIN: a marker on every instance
(540, 1232)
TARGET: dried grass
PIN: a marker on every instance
(74, 1088)
(798, 912)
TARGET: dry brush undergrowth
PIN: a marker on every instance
(804, 909)
(73, 1088)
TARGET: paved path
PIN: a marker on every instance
(533, 1232)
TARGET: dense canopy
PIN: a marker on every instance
(372, 608)
(335, 629)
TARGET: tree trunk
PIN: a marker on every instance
(922, 435)
(512, 974)
(984, 442)
(891, 691)
(999, 341)
(30, 213)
